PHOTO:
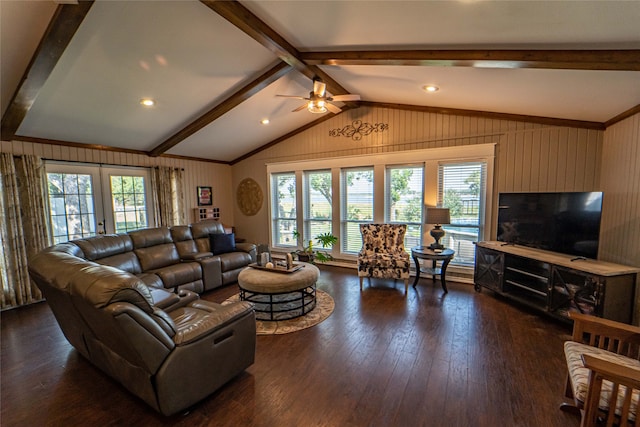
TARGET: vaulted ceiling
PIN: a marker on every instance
(75, 73)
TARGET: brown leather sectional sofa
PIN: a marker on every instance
(126, 303)
(172, 258)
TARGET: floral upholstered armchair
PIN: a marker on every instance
(382, 254)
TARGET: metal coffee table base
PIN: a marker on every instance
(281, 306)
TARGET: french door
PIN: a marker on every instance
(86, 200)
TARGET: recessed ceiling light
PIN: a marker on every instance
(147, 102)
(430, 88)
(264, 121)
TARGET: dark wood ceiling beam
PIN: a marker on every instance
(255, 28)
(223, 107)
(63, 26)
(490, 115)
(615, 60)
(291, 134)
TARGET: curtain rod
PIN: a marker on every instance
(92, 163)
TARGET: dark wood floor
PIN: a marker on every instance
(460, 359)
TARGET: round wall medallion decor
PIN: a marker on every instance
(249, 197)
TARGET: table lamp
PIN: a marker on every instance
(437, 216)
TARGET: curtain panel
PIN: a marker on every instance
(24, 226)
(168, 185)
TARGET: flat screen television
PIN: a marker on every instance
(568, 223)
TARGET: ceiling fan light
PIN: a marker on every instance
(316, 107)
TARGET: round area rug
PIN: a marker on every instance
(324, 308)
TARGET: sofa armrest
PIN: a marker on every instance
(216, 316)
(624, 374)
(607, 334)
(211, 272)
(196, 256)
(249, 248)
(168, 301)
(245, 247)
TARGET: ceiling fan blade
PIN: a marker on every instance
(293, 96)
(333, 108)
(319, 88)
(302, 107)
(344, 98)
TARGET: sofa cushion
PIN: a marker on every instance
(579, 375)
(201, 230)
(183, 239)
(103, 246)
(179, 274)
(234, 260)
(222, 243)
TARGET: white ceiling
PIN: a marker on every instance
(190, 59)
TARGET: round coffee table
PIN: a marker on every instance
(278, 295)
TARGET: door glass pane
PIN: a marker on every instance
(71, 206)
(129, 202)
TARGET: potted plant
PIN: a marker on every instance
(309, 254)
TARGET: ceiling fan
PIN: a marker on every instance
(318, 102)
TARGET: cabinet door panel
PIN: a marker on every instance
(575, 291)
(488, 269)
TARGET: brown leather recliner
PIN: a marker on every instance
(157, 254)
(232, 263)
(171, 350)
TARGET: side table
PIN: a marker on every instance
(426, 253)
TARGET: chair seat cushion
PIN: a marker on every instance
(579, 375)
(385, 261)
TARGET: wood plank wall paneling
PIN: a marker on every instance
(218, 176)
(620, 229)
(529, 157)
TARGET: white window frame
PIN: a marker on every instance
(103, 201)
(344, 221)
(481, 210)
(387, 208)
(306, 195)
(429, 157)
(272, 208)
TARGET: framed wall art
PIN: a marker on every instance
(205, 196)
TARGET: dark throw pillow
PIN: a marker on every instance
(222, 243)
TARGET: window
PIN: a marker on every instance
(88, 200)
(283, 208)
(338, 194)
(71, 205)
(404, 200)
(461, 188)
(357, 206)
(317, 204)
(128, 202)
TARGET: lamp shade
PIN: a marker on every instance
(437, 216)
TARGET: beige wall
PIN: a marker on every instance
(196, 173)
(529, 157)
